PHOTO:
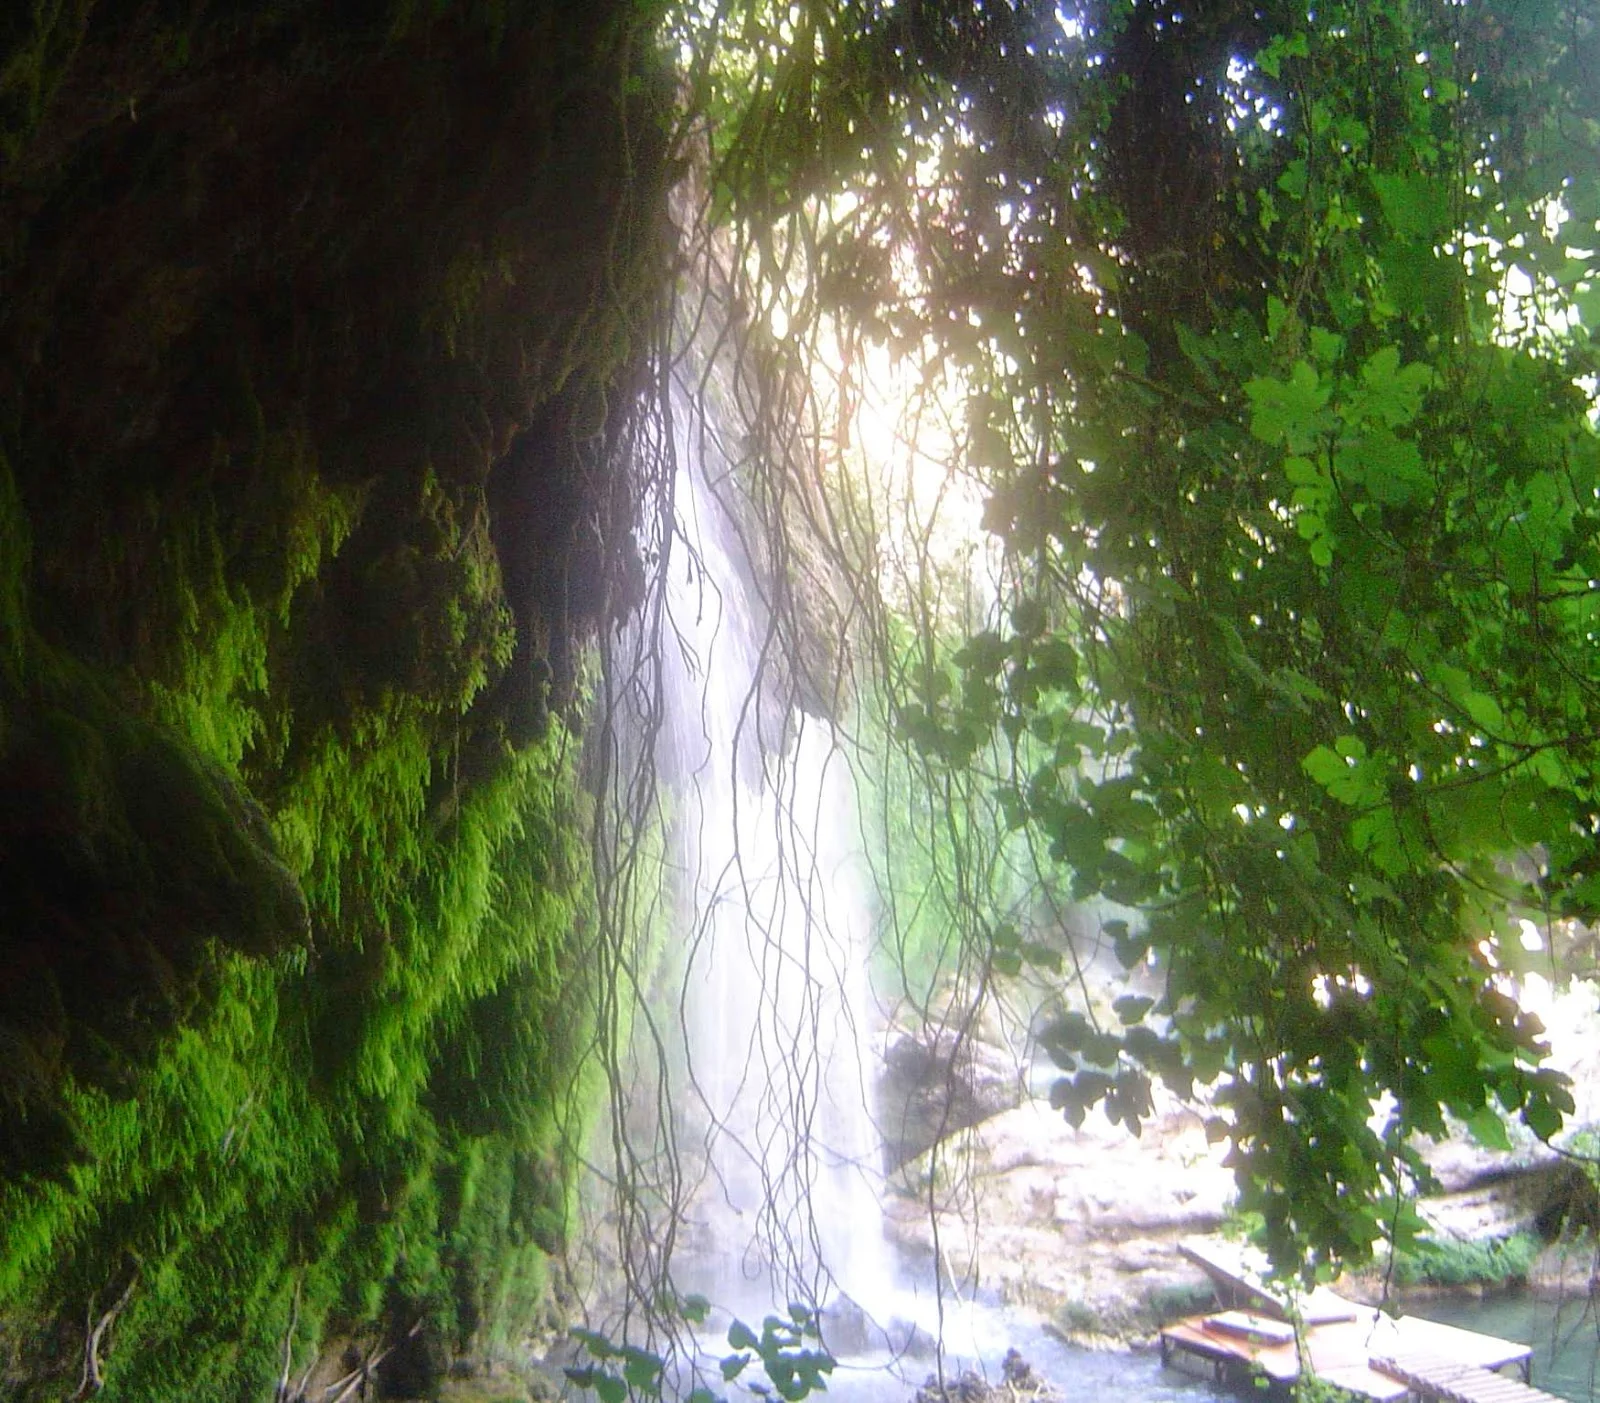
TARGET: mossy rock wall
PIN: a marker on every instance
(321, 335)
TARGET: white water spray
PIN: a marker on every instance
(766, 1165)
(780, 1026)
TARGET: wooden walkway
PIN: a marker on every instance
(1450, 1381)
(1337, 1355)
(1372, 1356)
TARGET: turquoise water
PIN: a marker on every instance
(1564, 1335)
(977, 1337)
(1074, 1375)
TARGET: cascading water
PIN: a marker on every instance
(779, 1021)
(781, 1029)
(757, 1141)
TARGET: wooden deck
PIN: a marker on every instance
(1371, 1354)
(1338, 1353)
(1356, 1347)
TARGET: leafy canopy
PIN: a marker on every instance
(1278, 331)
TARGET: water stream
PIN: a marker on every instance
(780, 1022)
(782, 1036)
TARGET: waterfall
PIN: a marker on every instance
(747, 1154)
(780, 1026)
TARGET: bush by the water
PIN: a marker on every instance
(1495, 1261)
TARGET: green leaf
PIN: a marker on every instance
(1415, 205)
(1484, 710)
(609, 1388)
(1270, 59)
(1006, 962)
(1390, 395)
(1489, 1129)
(1041, 956)
(1304, 472)
(1289, 411)
(1130, 949)
(1131, 1008)
(643, 1371)
(1326, 346)
(1391, 468)
(1294, 180)
(1517, 558)
(733, 1365)
(1542, 1118)
(1297, 687)
(1325, 766)
(1277, 313)
(1380, 835)
(741, 1336)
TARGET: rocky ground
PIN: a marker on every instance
(1081, 1225)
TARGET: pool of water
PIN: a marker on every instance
(1074, 1375)
(977, 1337)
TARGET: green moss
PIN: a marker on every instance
(295, 882)
(15, 553)
(40, 41)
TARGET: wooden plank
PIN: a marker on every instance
(1258, 1329)
(1280, 1363)
(1428, 1338)
(1235, 1273)
(1451, 1381)
(1238, 1274)
(1368, 1382)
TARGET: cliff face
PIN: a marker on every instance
(320, 335)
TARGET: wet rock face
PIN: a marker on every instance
(306, 255)
(283, 290)
(283, 295)
(934, 1087)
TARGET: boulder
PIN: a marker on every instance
(1080, 1224)
(937, 1084)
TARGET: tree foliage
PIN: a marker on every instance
(1277, 327)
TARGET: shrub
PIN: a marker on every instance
(1494, 1261)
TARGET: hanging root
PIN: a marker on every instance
(284, 1393)
(94, 1337)
(341, 1388)
(361, 1375)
